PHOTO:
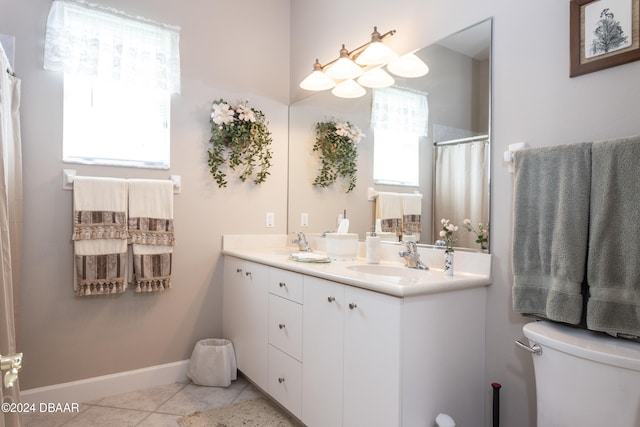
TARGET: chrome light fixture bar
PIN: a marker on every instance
(364, 64)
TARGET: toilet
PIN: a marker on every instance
(584, 378)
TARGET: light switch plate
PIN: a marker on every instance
(270, 219)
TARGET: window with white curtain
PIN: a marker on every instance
(399, 118)
(119, 74)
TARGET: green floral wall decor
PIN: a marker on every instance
(240, 140)
(337, 144)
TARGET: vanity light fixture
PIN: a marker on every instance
(365, 64)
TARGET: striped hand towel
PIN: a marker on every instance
(99, 235)
(151, 233)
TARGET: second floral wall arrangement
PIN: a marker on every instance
(336, 143)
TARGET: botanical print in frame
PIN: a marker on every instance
(604, 33)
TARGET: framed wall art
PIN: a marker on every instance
(604, 34)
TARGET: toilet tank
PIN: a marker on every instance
(584, 378)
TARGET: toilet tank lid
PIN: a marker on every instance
(590, 345)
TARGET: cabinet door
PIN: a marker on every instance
(371, 359)
(245, 316)
(322, 353)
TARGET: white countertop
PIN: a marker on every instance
(274, 252)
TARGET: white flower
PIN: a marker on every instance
(467, 222)
(245, 113)
(443, 233)
(222, 114)
(349, 131)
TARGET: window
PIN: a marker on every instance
(399, 119)
(396, 159)
(111, 123)
(120, 73)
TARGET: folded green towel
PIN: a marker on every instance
(613, 267)
(550, 231)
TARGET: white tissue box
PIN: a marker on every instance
(342, 246)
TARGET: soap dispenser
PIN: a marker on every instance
(373, 248)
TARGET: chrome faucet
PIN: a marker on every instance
(412, 256)
(302, 243)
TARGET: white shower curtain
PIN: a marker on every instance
(460, 187)
(10, 222)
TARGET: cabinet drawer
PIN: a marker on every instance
(285, 326)
(286, 284)
(285, 380)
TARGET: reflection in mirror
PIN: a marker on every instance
(444, 135)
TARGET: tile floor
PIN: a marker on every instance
(153, 407)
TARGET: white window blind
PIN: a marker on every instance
(108, 44)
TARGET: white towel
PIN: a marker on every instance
(151, 232)
(99, 235)
(412, 213)
(389, 211)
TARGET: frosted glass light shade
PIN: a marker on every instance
(376, 78)
(317, 80)
(408, 65)
(344, 69)
(348, 89)
(376, 54)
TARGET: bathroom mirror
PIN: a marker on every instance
(452, 158)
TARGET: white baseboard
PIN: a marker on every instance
(95, 388)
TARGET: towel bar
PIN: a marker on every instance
(68, 176)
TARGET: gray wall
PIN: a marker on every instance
(534, 101)
(223, 46)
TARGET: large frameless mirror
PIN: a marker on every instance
(444, 160)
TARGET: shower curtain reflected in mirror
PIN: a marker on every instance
(460, 188)
(10, 222)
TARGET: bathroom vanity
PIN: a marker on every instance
(351, 344)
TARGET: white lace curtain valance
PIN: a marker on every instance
(107, 44)
(400, 110)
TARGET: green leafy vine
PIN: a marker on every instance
(336, 143)
(241, 141)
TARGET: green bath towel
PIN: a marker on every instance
(613, 267)
(551, 224)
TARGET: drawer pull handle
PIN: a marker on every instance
(248, 273)
(331, 299)
(353, 305)
(283, 285)
(281, 380)
(281, 326)
(238, 270)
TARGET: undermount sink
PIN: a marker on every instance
(388, 270)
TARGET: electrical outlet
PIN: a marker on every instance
(304, 219)
(271, 220)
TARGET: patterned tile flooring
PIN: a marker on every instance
(153, 407)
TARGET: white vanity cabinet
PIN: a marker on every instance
(245, 314)
(351, 355)
(339, 355)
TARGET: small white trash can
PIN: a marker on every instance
(213, 363)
